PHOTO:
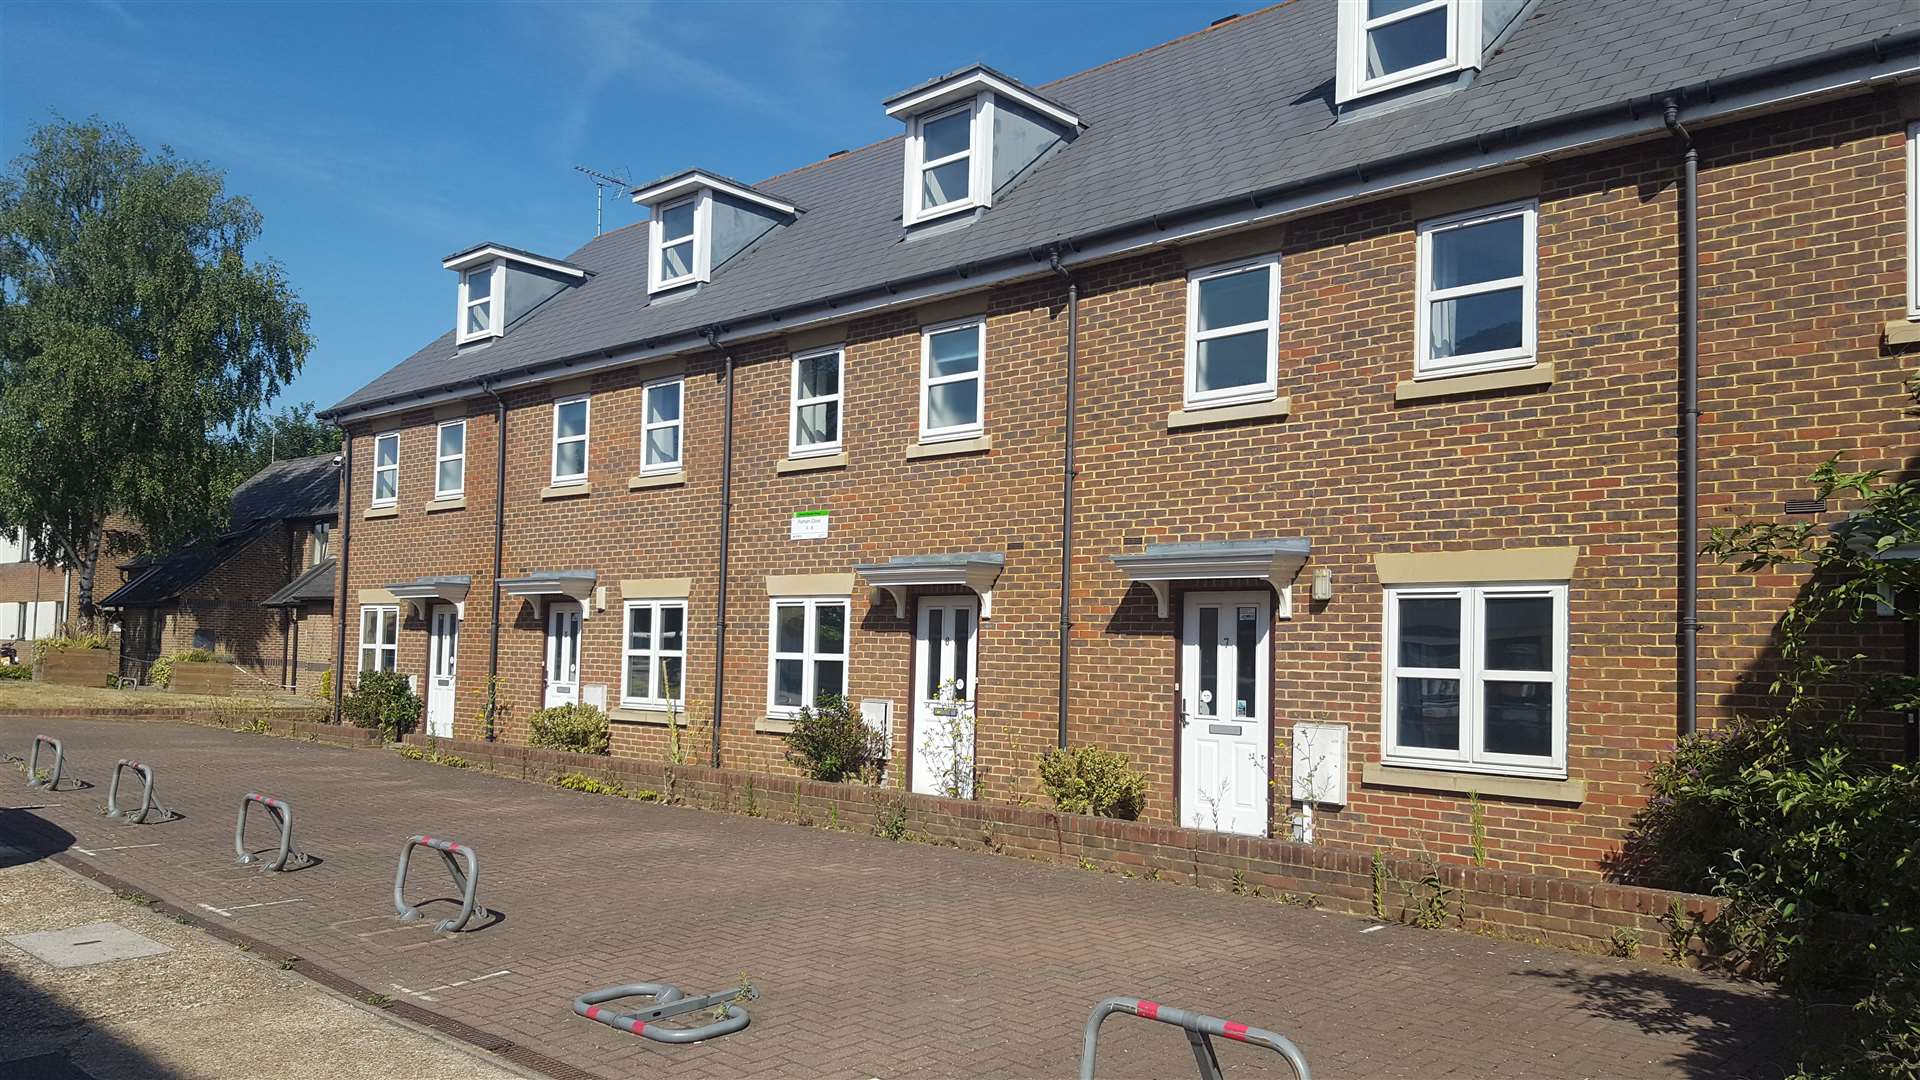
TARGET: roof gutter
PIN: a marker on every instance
(1854, 69)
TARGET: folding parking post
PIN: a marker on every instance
(1199, 1027)
(147, 805)
(282, 815)
(468, 883)
(52, 783)
(668, 1001)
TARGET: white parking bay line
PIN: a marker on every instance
(228, 912)
(121, 847)
(427, 994)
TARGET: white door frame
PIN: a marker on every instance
(936, 660)
(443, 665)
(564, 619)
(1225, 742)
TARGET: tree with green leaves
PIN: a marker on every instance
(292, 432)
(136, 341)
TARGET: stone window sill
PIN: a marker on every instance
(655, 715)
(773, 725)
(1455, 385)
(657, 480)
(1903, 332)
(811, 464)
(374, 512)
(457, 502)
(566, 491)
(979, 445)
(1570, 792)
(1205, 415)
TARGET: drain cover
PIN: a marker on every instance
(94, 943)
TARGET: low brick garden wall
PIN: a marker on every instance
(1566, 912)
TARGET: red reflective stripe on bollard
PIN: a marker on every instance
(1236, 1031)
(593, 1012)
(638, 1027)
(1148, 1009)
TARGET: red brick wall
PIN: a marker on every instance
(1801, 226)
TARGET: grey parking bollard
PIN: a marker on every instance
(668, 1001)
(147, 805)
(1199, 1028)
(282, 815)
(468, 883)
(52, 783)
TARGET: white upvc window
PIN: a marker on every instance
(654, 654)
(1913, 220)
(379, 637)
(678, 248)
(953, 380)
(1233, 333)
(480, 301)
(386, 469)
(1477, 300)
(1385, 44)
(570, 422)
(662, 423)
(806, 652)
(322, 541)
(813, 415)
(947, 160)
(450, 460)
(1476, 678)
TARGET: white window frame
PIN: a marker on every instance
(1237, 395)
(585, 401)
(1470, 755)
(495, 299)
(702, 260)
(1913, 220)
(979, 156)
(1426, 366)
(1463, 34)
(382, 614)
(795, 403)
(440, 459)
(374, 493)
(928, 381)
(648, 427)
(322, 542)
(654, 652)
(809, 689)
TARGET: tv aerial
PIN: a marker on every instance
(601, 181)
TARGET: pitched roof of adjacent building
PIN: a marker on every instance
(164, 579)
(297, 489)
(311, 587)
(1237, 115)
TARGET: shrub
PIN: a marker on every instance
(324, 690)
(580, 728)
(15, 671)
(161, 672)
(832, 742)
(383, 700)
(1089, 780)
(67, 642)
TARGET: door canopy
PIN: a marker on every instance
(977, 570)
(421, 594)
(1274, 561)
(576, 585)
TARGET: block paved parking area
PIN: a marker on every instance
(873, 958)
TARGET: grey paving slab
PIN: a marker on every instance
(85, 946)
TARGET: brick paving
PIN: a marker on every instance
(874, 959)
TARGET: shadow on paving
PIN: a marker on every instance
(1724, 1032)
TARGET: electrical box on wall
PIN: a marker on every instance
(1320, 764)
(878, 713)
(594, 694)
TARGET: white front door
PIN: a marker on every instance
(944, 671)
(1225, 717)
(443, 654)
(563, 654)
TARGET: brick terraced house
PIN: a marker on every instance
(1304, 407)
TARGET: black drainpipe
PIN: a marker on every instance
(1068, 471)
(340, 595)
(726, 528)
(1689, 425)
(499, 534)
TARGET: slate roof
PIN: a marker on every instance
(297, 489)
(1240, 108)
(314, 585)
(167, 577)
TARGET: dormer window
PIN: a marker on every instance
(1386, 44)
(969, 135)
(700, 223)
(501, 285)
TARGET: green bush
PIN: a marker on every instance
(1089, 780)
(580, 728)
(67, 642)
(382, 700)
(832, 742)
(161, 672)
(15, 671)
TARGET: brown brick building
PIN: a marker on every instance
(260, 593)
(1374, 331)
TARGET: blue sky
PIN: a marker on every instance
(378, 138)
